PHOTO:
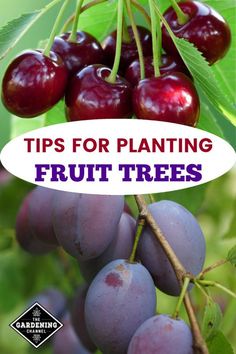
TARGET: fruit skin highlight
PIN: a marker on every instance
(33, 83)
(206, 29)
(169, 98)
(91, 96)
(168, 65)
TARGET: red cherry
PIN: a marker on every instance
(171, 98)
(90, 96)
(206, 29)
(85, 51)
(168, 66)
(33, 83)
(129, 51)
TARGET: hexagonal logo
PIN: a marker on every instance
(36, 325)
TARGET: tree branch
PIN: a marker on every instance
(199, 343)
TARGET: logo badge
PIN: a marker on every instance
(36, 325)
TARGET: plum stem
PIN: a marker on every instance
(73, 35)
(182, 18)
(200, 346)
(47, 49)
(112, 77)
(139, 230)
(151, 197)
(203, 291)
(211, 267)
(217, 285)
(181, 297)
(137, 39)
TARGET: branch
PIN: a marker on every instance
(211, 267)
(199, 343)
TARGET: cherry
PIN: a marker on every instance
(85, 51)
(129, 51)
(33, 83)
(171, 98)
(91, 96)
(168, 65)
(206, 29)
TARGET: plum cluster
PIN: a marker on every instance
(153, 336)
(80, 69)
(116, 310)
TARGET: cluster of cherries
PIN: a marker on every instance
(80, 71)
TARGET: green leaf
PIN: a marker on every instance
(218, 344)
(202, 74)
(211, 320)
(231, 257)
(205, 79)
(207, 120)
(225, 70)
(13, 31)
(100, 19)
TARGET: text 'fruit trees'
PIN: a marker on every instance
(140, 73)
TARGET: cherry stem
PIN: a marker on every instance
(182, 18)
(181, 297)
(73, 35)
(199, 343)
(55, 28)
(84, 8)
(172, 35)
(137, 39)
(211, 267)
(217, 285)
(125, 34)
(141, 224)
(154, 39)
(112, 77)
(159, 40)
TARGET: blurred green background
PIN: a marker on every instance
(23, 276)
